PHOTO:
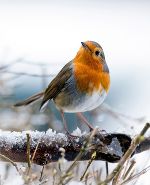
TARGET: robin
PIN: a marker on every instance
(80, 86)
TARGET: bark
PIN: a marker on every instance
(45, 147)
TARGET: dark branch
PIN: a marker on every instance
(45, 146)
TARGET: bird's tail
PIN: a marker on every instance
(30, 99)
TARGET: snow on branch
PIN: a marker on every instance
(44, 147)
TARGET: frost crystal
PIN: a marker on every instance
(10, 139)
(78, 132)
(115, 148)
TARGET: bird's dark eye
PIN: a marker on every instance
(97, 53)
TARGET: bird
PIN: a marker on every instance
(81, 85)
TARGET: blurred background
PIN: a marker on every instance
(37, 38)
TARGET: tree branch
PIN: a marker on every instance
(44, 147)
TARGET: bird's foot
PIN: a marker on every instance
(71, 136)
(82, 118)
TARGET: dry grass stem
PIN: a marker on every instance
(89, 163)
(28, 152)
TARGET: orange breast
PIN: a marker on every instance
(89, 79)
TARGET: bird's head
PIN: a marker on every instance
(91, 53)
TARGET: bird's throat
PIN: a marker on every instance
(89, 79)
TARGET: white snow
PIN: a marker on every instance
(75, 183)
(78, 132)
(17, 180)
(12, 138)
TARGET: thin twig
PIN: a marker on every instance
(33, 156)
(12, 162)
(28, 151)
(11, 64)
(89, 163)
(125, 168)
(132, 177)
(129, 169)
(42, 171)
(116, 178)
(26, 74)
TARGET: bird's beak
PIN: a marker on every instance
(85, 46)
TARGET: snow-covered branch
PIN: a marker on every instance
(45, 146)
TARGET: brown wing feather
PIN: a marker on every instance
(30, 99)
(57, 84)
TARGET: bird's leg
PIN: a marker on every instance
(80, 115)
(65, 124)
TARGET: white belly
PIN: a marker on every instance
(89, 102)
